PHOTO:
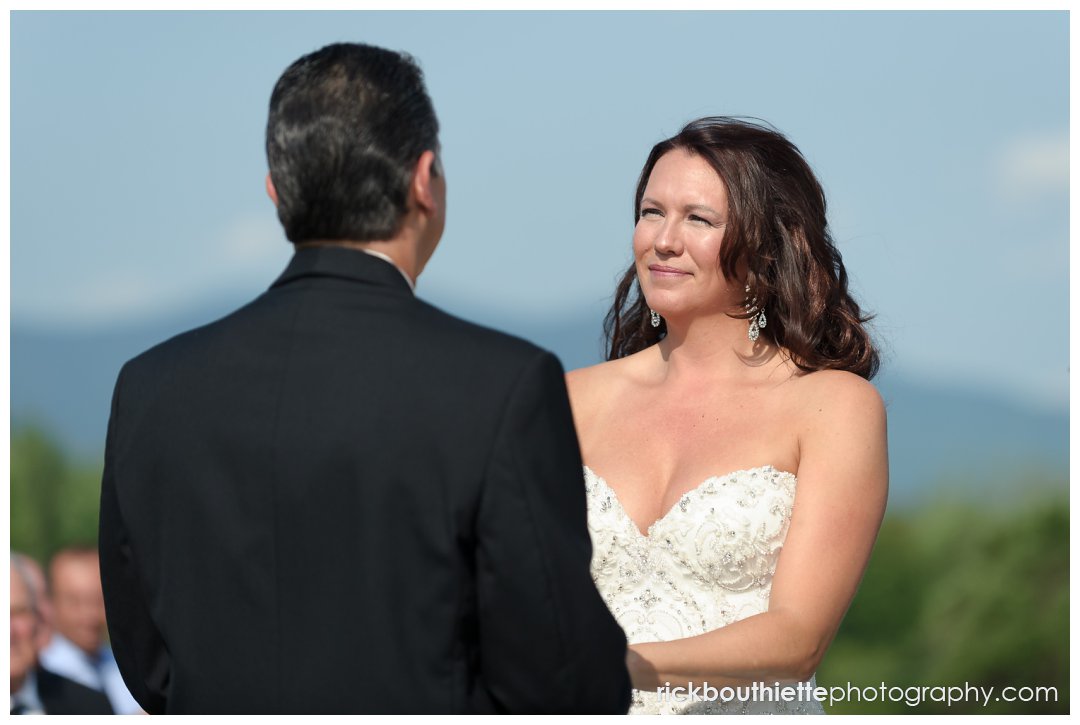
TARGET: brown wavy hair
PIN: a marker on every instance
(776, 224)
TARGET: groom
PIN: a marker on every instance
(339, 499)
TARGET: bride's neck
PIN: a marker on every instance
(712, 346)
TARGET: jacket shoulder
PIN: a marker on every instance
(470, 338)
(167, 352)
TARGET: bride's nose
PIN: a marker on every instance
(667, 240)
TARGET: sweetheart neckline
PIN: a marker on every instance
(647, 534)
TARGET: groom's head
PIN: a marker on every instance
(351, 141)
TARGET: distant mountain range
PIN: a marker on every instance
(942, 441)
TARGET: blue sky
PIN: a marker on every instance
(941, 139)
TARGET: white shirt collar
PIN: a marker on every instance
(27, 696)
(386, 257)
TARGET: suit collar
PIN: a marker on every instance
(343, 263)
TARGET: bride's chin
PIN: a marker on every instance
(665, 305)
(670, 309)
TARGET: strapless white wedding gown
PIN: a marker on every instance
(706, 563)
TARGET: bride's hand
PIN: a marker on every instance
(642, 673)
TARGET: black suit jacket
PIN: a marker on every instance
(61, 696)
(340, 499)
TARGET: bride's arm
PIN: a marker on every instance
(839, 504)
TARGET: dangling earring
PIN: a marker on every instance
(654, 317)
(756, 323)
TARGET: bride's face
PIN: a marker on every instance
(677, 240)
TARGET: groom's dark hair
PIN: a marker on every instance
(347, 124)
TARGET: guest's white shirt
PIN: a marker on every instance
(64, 658)
(27, 696)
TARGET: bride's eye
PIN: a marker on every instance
(649, 212)
(702, 220)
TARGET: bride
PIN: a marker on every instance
(736, 466)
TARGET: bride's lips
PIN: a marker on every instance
(661, 270)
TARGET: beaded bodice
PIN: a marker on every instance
(707, 562)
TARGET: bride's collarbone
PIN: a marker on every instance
(693, 402)
(693, 426)
(679, 432)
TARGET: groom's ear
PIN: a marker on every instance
(270, 190)
(424, 178)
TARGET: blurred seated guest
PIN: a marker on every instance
(78, 649)
(34, 689)
(36, 577)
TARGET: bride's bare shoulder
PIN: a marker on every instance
(835, 400)
(589, 386)
(585, 383)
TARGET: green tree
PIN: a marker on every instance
(963, 592)
(54, 502)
